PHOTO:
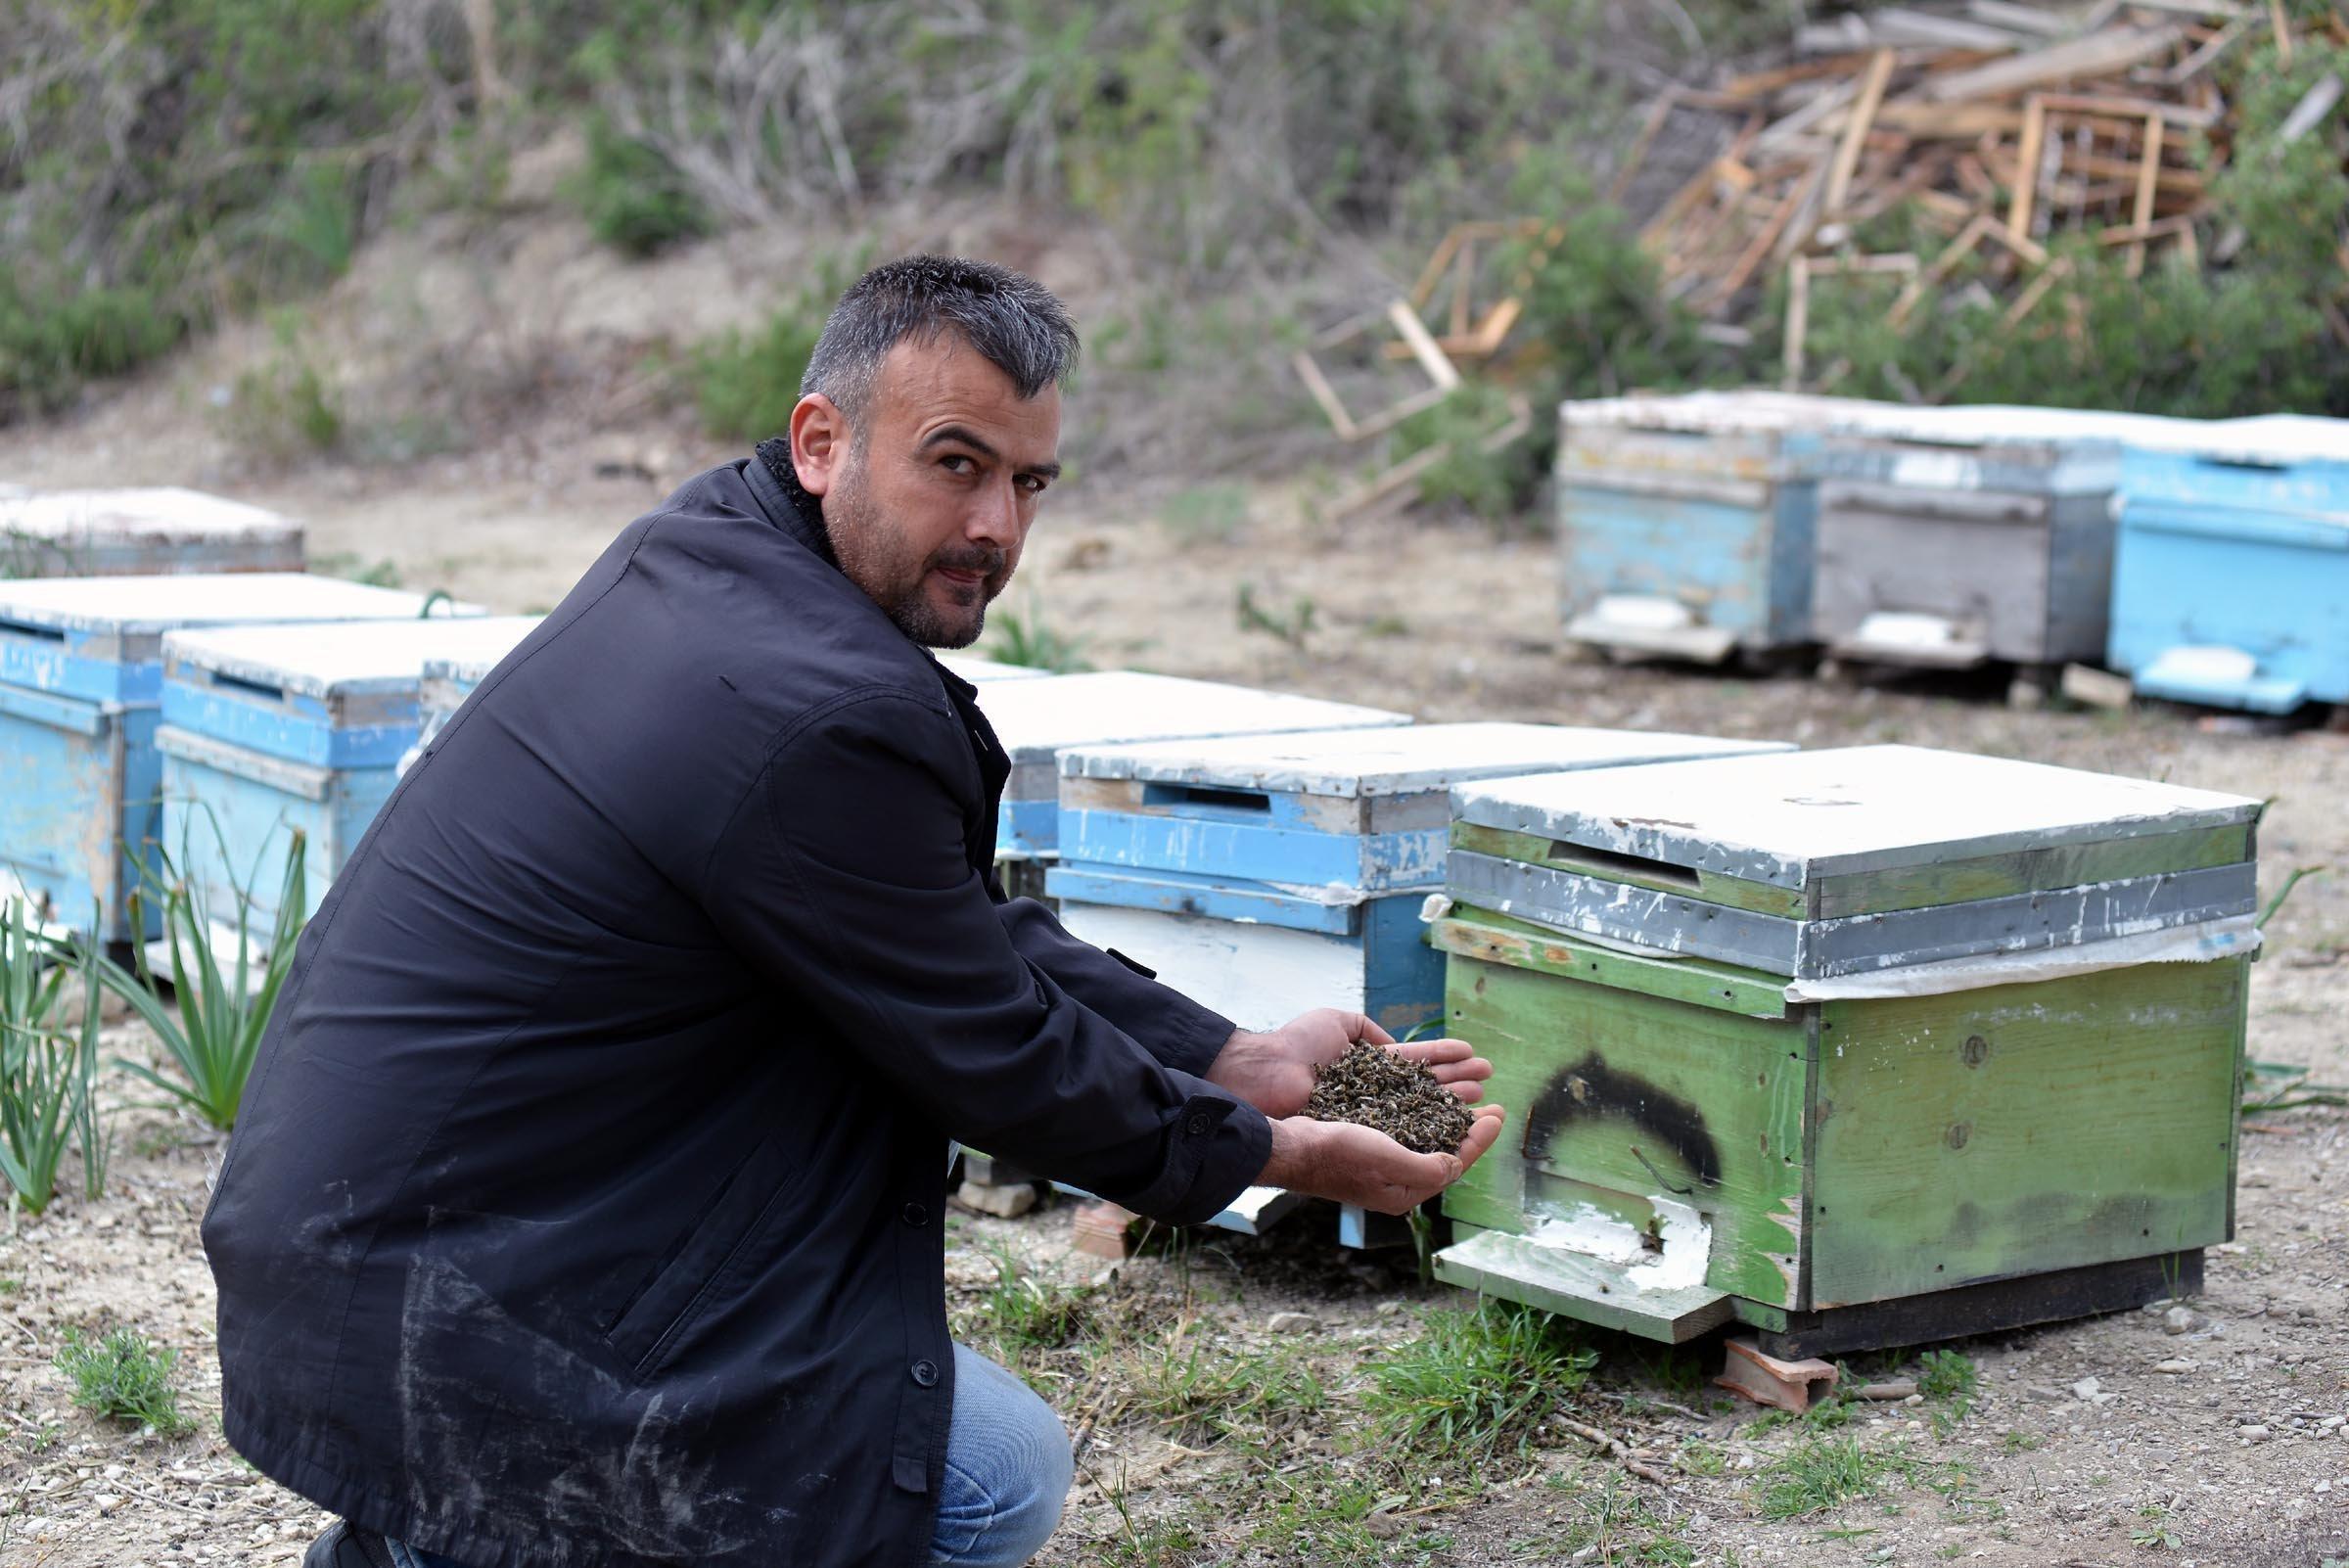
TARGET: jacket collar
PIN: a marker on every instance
(777, 487)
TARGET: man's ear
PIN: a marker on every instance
(819, 442)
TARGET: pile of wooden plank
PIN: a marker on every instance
(2001, 125)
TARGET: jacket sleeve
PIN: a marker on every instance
(1162, 1019)
(841, 877)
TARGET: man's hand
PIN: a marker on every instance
(1274, 1072)
(1360, 1166)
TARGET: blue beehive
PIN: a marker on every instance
(165, 530)
(82, 675)
(1685, 523)
(271, 729)
(1262, 875)
(1039, 719)
(2231, 584)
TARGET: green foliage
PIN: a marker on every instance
(48, 1071)
(285, 407)
(1291, 626)
(1820, 1474)
(1203, 1391)
(1023, 1312)
(124, 1377)
(1492, 485)
(632, 196)
(1948, 1374)
(1476, 1382)
(54, 338)
(213, 1034)
(1026, 638)
(746, 384)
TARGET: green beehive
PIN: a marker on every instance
(1858, 1048)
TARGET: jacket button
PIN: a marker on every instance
(1197, 1125)
(913, 1214)
(925, 1374)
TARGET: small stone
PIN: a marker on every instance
(107, 1502)
(2322, 1488)
(2254, 1434)
(2178, 1321)
(1291, 1324)
(2332, 1422)
(1004, 1203)
(2177, 1367)
(2088, 1388)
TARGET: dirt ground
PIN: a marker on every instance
(2223, 1443)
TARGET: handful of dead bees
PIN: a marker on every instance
(1372, 1086)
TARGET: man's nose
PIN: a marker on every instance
(995, 519)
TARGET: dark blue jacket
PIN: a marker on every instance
(586, 1203)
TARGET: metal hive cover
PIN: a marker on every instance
(1354, 763)
(1792, 817)
(162, 512)
(134, 605)
(322, 660)
(1035, 720)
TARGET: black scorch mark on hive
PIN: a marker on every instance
(1590, 1090)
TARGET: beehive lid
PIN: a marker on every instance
(345, 656)
(1413, 760)
(980, 671)
(167, 513)
(474, 667)
(1725, 413)
(1036, 719)
(1794, 819)
(148, 604)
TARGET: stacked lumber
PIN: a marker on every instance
(2001, 126)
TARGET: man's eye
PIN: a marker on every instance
(1033, 484)
(948, 463)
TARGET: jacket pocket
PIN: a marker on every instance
(663, 1309)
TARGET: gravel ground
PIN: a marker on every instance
(2217, 1437)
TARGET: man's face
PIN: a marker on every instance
(928, 505)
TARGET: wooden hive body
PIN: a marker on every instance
(125, 532)
(1888, 1155)
(80, 683)
(1966, 540)
(2231, 584)
(273, 730)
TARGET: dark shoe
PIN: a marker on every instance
(346, 1545)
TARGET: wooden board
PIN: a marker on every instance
(2023, 1129)
(327, 661)
(1036, 719)
(131, 606)
(1985, 1309)
(1620, 1100)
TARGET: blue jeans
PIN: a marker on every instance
(1007, 1474)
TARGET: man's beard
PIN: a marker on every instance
(873, 554)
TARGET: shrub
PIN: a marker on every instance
(124, 1377)
(632, 196)
(745, 383)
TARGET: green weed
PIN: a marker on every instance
(1820, 1474)
(1203, 1391)
(48, 1071)
(285, 407)
(1023, 1312)
(1205, 512)
(1026, 638)
(212, 1028)
(124, 1377)
(1615, 1523)
(1476, 1382)
(1950, 1378)
(1292, 625)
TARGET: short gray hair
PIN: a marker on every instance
(1013, 321)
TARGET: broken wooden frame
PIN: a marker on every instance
(1443, 375)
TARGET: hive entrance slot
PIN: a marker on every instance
(1202, 795)
(26, 629)
(259, 688)
(1627, 867)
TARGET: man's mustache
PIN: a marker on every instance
(985, 559)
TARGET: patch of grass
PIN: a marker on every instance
(1023, 1312)
(124, 1377)
(285, 407)
(1820, 1474)
(1698, 1457)
(48, 1070)
(1615, 1523)
(1206, 511)
(1028, 638)
(1292, 625)
(1476, 1382)
(1950, 1378)
(2155, 1534)
(2022, 1442)
(1202, 1391)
